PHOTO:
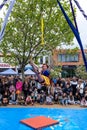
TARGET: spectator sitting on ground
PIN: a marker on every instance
(35, 94)
(20, 98)
(49, 99)
(67, 89)
(77, 98)
(64, 99)
(84, 101)
(55, 96)
(5, 98)
(13, 98)
(71, 99)
(42, 97)
(38, 98)
(82, 104)
(60, 97)
(28, 100)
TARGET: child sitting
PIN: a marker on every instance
(13, 98)
(49, 100)
(28, 100)
(20, 99)
(71, 99)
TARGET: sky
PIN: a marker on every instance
(81, 22)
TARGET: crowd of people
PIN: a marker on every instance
(61, 91)
(42, 89)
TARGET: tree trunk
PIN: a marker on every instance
(22, 71)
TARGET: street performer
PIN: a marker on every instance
(43, 76)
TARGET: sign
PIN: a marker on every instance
(5, 65)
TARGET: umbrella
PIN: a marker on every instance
(9, 72)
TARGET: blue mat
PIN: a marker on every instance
(70, 119)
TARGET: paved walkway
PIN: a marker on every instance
(47, 106)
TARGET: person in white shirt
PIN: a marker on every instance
(80, 87)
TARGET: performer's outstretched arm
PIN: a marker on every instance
(36, 70)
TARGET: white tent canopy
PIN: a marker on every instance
(9, 72)
(29, 72)
(28, 66)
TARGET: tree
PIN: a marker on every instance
(56, 72)
(22, 37)
(81, 72)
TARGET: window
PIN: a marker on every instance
(68, 58)
(46, 59)
(41, 60)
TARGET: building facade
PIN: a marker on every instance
(68, 61)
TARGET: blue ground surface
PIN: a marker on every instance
(70, 119)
